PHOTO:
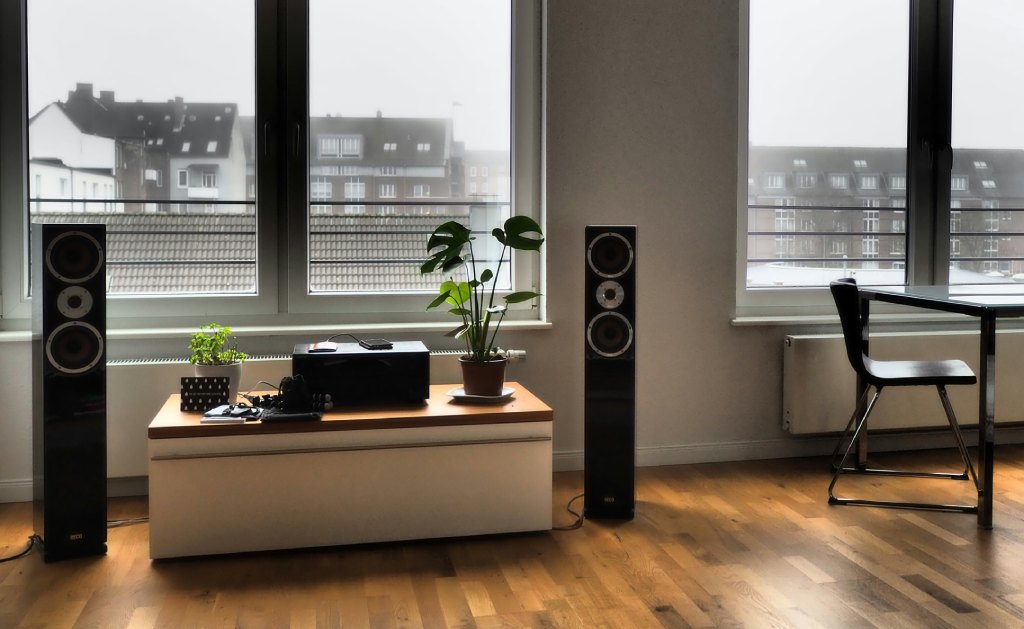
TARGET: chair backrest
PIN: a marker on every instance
(847, 298)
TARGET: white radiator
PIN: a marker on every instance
(136, 389)
(819, 386)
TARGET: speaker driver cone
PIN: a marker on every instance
(74, 347)
(610, 255)
(609, 334)
(74, 302)
(74, 257)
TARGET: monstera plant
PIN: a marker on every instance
(475, 299)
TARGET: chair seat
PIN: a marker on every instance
(918, 372)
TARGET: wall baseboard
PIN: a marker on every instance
(20, 490)
(649, 456)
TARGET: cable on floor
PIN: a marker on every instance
(32, 539)
(113, 524)
(579, 516)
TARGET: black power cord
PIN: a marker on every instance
(32, 539)
(579, 516)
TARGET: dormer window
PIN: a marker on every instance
(988, 184)
(869, 182)
(839, 181)
(898, 182)
(860, 163)
(800, 163)
(774, 181)
(980, 165)
(423, 147)
(341, 146)
(958, 183)
(806, 180)
(185, 146)
(390, 147)
(211, 147)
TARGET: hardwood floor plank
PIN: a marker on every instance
(750, 544)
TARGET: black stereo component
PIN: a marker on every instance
(351, 374)
(609, 372)
(69, 389)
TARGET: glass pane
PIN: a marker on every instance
(987, 183)
(410, 126)
(145, 123)
(826, 187)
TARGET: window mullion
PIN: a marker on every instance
(929, 154)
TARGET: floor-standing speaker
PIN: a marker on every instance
(610, 372)
(69, 385)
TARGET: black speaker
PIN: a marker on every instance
(69, 389)
(609, 441)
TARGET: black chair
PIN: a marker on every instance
(878, 374)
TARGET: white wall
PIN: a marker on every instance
(54, 136)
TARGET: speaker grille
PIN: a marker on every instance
(74, 347)
(74, 257)
(610, 255)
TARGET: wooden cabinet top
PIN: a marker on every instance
(439, 410)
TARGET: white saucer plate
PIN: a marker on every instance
(460, 395)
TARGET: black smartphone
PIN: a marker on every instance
(375, 344)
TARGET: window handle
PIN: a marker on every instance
(296, 138)
(266, 138)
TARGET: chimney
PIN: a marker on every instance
(106, 97)
(380, 114)
(82, 90)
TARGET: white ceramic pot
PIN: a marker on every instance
(232, 371)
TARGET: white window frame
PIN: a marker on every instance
(183, 178)
(958, 183)
(282, 298)
(388, 191)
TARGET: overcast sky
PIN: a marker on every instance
(445, 58)
(829, 73)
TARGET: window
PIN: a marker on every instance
(806, 180)
(958, 183)
(472, 171)
(355, 190)
(980, 165)
(898, 182)
(774, 181)
(839, 181)
(483, 171)
(387, 191)
(472, 187)
(320, 189)
(869, 182)
(799, 163)
(860, 163)
(344, 146)
(217, 169)
(988, 184)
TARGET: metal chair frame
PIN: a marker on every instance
(872, 389)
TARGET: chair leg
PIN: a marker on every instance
(861, 423)
(853, 420)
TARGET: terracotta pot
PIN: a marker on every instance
(483, 378)
(232, 371)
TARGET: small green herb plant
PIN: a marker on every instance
(473, 299)
(207, 346)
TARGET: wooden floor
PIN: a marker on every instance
(735, 544)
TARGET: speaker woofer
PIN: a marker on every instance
(610, 255)
(74, 257)
(609, 334)
(74, 347)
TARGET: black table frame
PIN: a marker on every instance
(987, 311)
